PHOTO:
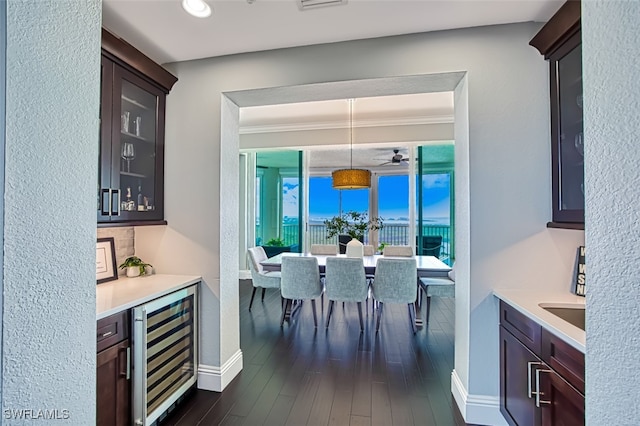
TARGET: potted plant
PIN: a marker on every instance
(275, 246)
(135, 266)
(351, 224)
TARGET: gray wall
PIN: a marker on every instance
(52, 109)
(611, 61)
(509, 183)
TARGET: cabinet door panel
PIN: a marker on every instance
(113, 391)
(567, 139)
(564, 359)
(516, 381)
(565, 405)
(137, 147)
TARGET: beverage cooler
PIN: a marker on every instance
(165, 353)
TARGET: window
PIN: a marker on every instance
(326, 202)
(393, 207)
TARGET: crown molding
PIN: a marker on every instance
(342, 124)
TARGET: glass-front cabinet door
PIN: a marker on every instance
(133, 147)
(567, 133)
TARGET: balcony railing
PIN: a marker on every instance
(395, 234)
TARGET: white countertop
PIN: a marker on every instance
(124, 293)
(526, 302)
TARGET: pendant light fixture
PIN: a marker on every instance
(351, 178)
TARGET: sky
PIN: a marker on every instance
(324, 201)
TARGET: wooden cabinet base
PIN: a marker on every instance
(113, 391)
(541, 376)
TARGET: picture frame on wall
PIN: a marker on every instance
(106, 269)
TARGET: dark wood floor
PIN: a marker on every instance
(298, 375)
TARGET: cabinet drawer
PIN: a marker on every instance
(112, 330)
(523, 328)
(563, 358)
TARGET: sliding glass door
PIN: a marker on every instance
(278, 202)
(435, 202)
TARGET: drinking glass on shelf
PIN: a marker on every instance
(124, 121)
(128, 153)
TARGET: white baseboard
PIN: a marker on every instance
(215, 378)
(245, 274)
(476, 409)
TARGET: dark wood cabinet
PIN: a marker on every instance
(561, 404)
(113, 386)
(516, 362)
(113, 378)
(132, 117)
(541, 377)
(560, 43)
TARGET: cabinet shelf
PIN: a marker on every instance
(134, 136)
(137, 175)
(135, 103)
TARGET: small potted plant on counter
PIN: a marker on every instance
(135, 266)
(350, 225)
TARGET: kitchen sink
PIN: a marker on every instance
(571, 313)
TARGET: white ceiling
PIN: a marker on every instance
(164, 32)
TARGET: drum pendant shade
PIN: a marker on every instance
(351, 178)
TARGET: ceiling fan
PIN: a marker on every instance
(397, 159)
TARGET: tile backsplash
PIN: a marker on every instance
(124, 239)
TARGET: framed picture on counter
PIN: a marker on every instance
(106, 269)
(578, 286)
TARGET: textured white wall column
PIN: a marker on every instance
(52, 122)
(611, 61)
(3, 75)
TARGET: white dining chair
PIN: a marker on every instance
(260, 277)
(395, 282)
(345, 281)
(300, 281)
(398, 251)
(324, 249)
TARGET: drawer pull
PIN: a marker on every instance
(538, 392)
(530, 393)
(107, 334)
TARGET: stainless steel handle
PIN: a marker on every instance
(530, 393)
(116, 211)
(538, 392)
(139, 375)
(104, 191)
(123, 371)
(128, 362)
(107, 334)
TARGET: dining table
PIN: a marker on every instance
(426, 266)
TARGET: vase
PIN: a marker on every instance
(133, 271)
(343, 240)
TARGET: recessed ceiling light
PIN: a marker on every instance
(197, 8)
